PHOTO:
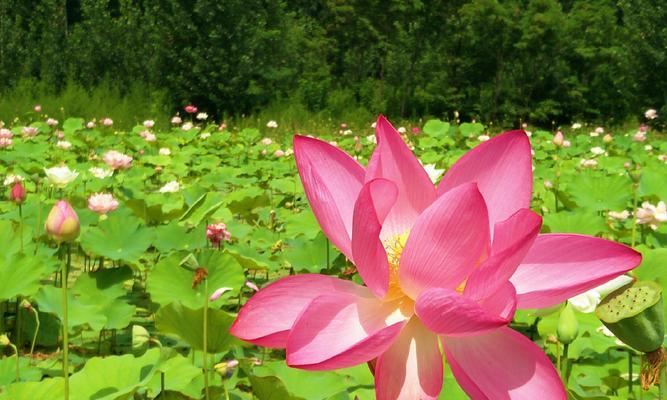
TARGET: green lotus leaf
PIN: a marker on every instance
(118, 238)
(575, 222)
(188, 324)
(21, 274)
(436, 127)
(175, 237)
(600, 192)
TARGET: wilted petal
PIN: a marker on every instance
(268, 316)
(502, 169)
(393, 160)
(560, 266)
(412, 367)
(449, 313)
(375, 200)
(342, 330)
(332, 181)
(446, 242)
(502, 364)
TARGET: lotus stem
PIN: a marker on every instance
(21, 225)
(34, 336)
(205, 338)
(565, 364)
(634, 219)
(63, 282)
(18, 359)
(629, 372)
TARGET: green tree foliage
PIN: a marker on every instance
(500, 60)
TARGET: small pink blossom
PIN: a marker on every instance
(607, 138)
(150, 137)
(643, 128)
(29, 131)
(222, 127)
(279, 153)
(5, 142)
(52, 122)
(107, 122)
(6, 133)
(149, 123)
(566, 143)
(176, 120)
(415, 130)
(252, 286)
(37, 108)
(266, 141)
(651, 215)
(651, 114)
(90, 124)
(117, 160)
(102, 203)
(60, 135)
(64, 144)
(592, 163)
(548, 184)
(216, 233)
(190, 109)
(17, 193)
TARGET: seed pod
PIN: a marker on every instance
(634, 313)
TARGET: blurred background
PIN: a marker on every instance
(545, 62)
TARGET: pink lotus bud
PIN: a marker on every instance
(149, 123)
(607, 138)
(415, 130)
(190, 109)
(102, 203)
(266, 141)
(60, 135)
(548, 184)
(558, 139)
(52, 122)
(252, 286)
(343, 126)
(219, 292)
(279, 153)
(222, 127)
(62, 223)
(176, 120)
(18, 193)
(90, 125)
(37, 108)
(107, 122)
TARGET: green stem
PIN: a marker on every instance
(630, 372)
(565, 363)
(634, 219)
(63, 283)
(558, 366)
(18, 359)
(21, 225)
(34, 336)
(205, 338)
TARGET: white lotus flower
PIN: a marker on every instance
(100, 173)
(587, 301)
(202, 116)
(576, 126)
(272, 124)
(619, 215)
(597, 151)
(149, 123)
(483, 138)
(651, 114)
(60, 176)
(371, 138)
(170, 187)
(63, 144)
(589, 163)
(651, 215)
(187, 126)
(164, 151)
(12, 179)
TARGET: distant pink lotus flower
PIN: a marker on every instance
(176, 120)
(52, 122)
(6, 133)
(29, 131)
(558, 139)
(190, 109)
(279, 153)
(117, 160)
(102, 203)
(5, 142)
(107, 122)
(149, 123)
(216, 233)
(446, 265)
(37, 108)
(415, 130)
(90, 124)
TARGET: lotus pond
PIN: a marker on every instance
(179, 227)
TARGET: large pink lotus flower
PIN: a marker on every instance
(446, 265)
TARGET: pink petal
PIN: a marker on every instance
(342, 330)
(449, 313)
(560, 266)
(502, 364)
(393, 160)
(412, 367)
(502, 168)
(332, 180)
(268, 316)
(502, 302)
(375, 200)
(511, 241)
(446, 242)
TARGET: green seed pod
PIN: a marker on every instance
(568, 326)
(634, 313)
(140, 339)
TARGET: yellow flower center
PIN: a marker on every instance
(394, 248)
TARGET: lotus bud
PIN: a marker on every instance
(140, 338)
(18, 193)
(219, 292)
(558, 139)
(568, 326)
(62, 223)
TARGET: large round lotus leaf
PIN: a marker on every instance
(436, 127)
(120, 237)
(175, 237)
(168, 281)
(188, 324)
(599, 193)
(49, 299)
(104, 288)
(21, 274)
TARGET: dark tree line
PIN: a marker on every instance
(539, 60)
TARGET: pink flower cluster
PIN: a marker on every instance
(5, 137)
(117, 160)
